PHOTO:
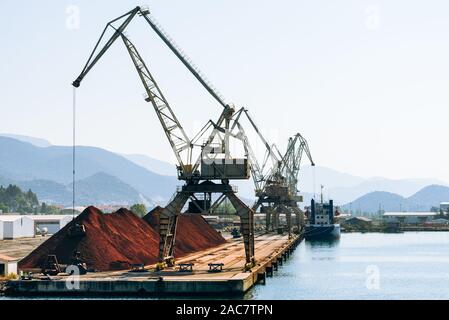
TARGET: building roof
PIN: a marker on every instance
(409, 214)
(439, 220)
(12, 217)
(4, 258)
(47, 217)
(365, 219)
(76, 208)
(35, 217)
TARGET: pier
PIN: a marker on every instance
(272, 250)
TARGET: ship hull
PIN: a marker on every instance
(322, 232)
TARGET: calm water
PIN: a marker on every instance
(412, 265)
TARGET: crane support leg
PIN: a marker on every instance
(270, 216)
(297, 220)
(288, 216)
(246, 215)
(267, 220)
(167, 228)
(275, 220)
(299, 215)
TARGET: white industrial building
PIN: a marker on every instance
(408, 217)
(16, 226)
(13, 226)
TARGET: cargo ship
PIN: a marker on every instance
(320, 225)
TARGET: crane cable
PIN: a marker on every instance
(73, 150)
(314, 182)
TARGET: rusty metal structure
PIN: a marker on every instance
(279, 191)
(205, 167)
(276, 177)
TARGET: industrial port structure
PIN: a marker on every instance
(202, 170)
(207, 170)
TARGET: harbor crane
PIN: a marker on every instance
(279, 190)
(276, 178)
(205, 167)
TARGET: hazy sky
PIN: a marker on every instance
(366, 82)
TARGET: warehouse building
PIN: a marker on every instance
(358, 222)
(16, 226)
(13, 226)
(408, 217)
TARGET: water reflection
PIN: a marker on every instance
(314, 244)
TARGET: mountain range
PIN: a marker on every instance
(344, 188)
(107, 177)
(423, 200)
(48, 172)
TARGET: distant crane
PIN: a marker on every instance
(200, 165)
(280, 189)
(276, 178)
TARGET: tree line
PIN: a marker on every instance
(13, 199)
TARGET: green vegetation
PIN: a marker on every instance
(13, 199)
(49, 209)
(139, 209)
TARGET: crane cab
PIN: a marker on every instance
(221, 169)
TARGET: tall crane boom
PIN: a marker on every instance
(183, 57)
(144, 12)
(93, 58)
(180, 143)
(174, 131)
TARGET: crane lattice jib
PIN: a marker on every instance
(258, 171)
(173, 129)
(94, 56)
(176, 135)
(291, 162)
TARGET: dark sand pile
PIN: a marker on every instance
(114, 241)
(193, 233)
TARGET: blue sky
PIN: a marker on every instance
(364, 81)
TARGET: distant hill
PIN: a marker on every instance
(343, 188)
(34, 141)
(373, 201)
(330, 178)
(102, 188)
(21, 161)
(423, 200)
(98, 189)
(151, 164)
(430, 196)
(48, 191)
